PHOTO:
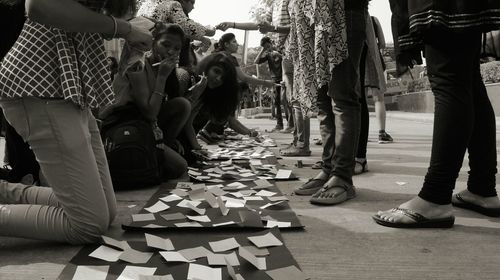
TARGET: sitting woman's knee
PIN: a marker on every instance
(89, 232)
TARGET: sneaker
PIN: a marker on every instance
(318, 141)
(384, 138)
(295, 151)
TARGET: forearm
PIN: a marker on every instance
(281, 29)
(237, 126)
(245, 26)
(259, 57)
(73, 17)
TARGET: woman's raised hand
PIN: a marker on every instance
(138, 37)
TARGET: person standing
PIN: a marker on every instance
(464, 119)
(339, 114)
(273, 58)
(50, 80)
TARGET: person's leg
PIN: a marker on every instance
(277, 104)
(345, 95)
(300, 145)
(59, 134)
(452, 76)
(286, 108)
(327, 130)
(482, 155)
(174, 164)
(21, 157)
(360, 162)
(287, 66)
(172, 118)
(379, 100)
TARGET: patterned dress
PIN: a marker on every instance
(316, 44)
(48, 62)
(170, 11)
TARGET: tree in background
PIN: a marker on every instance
(259, 11)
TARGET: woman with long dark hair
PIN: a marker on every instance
(218, 98)
(49, 81)
(228, 45)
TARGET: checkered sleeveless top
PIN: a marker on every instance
(48, 62)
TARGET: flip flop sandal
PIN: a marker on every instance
(419, 220)
(360, 167)
(326, 197)
(310, 187)
(461, 203)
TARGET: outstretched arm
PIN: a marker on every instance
(238, 25)
(251, 80)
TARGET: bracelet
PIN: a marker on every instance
(115, 27)
(163, 95)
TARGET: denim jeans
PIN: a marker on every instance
(80, 203)
(463, 119)
(339, 110)
(302, 129)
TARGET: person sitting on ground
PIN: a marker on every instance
(154, 89)
(228, 46)
(55, 117)
(218, 98)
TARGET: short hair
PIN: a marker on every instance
(265, 40)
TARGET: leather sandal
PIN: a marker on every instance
(310, 187)
(333, 194)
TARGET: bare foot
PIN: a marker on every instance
(425, 208)
(486, 202)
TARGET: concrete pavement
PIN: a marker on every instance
(340, 242)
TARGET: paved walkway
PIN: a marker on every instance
(340, 242)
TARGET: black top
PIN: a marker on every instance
(12, 20)
(274, 60)
(356, 4)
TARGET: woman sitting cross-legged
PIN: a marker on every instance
(154, 90)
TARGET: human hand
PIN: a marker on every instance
(265, 27)
(210, 31)
(225, 26)
(167, 65)
(198, 88)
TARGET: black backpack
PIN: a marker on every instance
(130, 145)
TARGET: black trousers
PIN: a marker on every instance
(365, 114)
(463, 120)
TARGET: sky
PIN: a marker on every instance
(213, 12)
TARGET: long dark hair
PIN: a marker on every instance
(221, 101)
(226, 38)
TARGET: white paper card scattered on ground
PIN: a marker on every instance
(224, 245)
(257, 252)
(106, 253)
(222, 206)
(159, 242)
(265, 193)
(237, 185)
(231, 271)
(170, 198)
(134, 272)
(253, 198)
(156, 277)
(179, 192)
(173, 217)
(157, 207)
(287, 273)
(184, 185)
(85, 272)
(258, 262)
(262, 183)
(184, 203)
(197, 194)
(401, 183)
(201, 272)
(202, 219)
(188, 224)
(154, 226)
(143, 217)
(133, 256)
(235, 203)
(266, 240)
(211, 200)
(196, 209)
(195, 253)
(224, 224)
(283, 174)
(220, 259)
(271, 224)
(115, 243)
(174, 257)
(271, 204)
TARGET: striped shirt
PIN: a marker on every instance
(48, 62)
(278, 16)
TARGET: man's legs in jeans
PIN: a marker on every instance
(341, 136)
(277, 104)
(80, 204)
(288, 82)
